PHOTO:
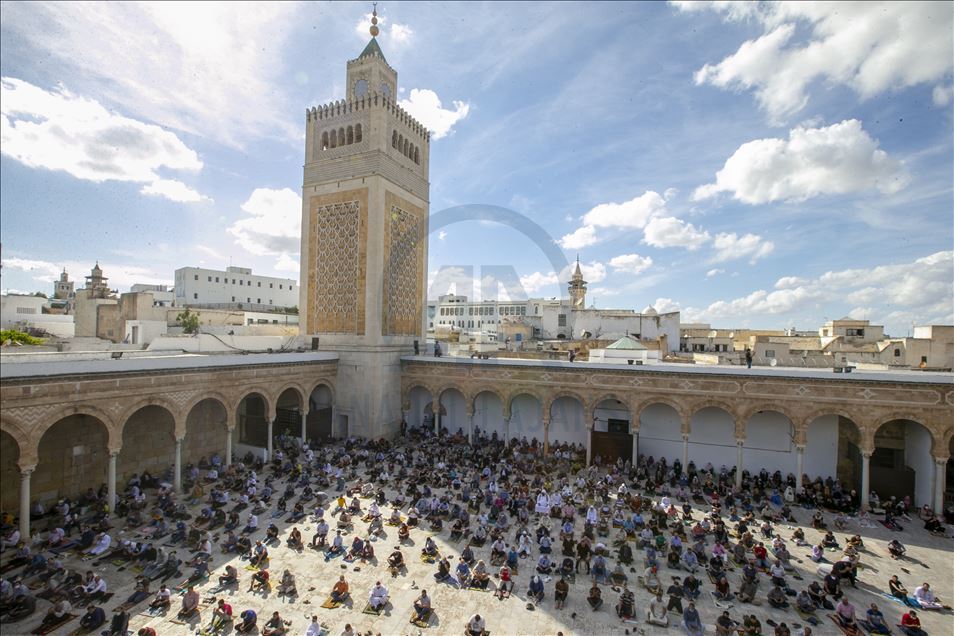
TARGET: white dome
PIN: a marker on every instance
(650, 311)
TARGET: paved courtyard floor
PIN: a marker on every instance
(930, 559)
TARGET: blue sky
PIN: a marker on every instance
(750, 164)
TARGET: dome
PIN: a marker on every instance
(650, 311)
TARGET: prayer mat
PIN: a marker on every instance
(118, 562)
(848, 631)
(251, 568)
(52, 627)
(370, 610)
(808, 617)
(330, 604)
(424, 622)
(426, 558)
(477, 588)
(723, 605)
(79, 631)
(185, 621)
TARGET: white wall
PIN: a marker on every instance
(488, 414)
(821, 449)
(712, 439)
(567, 422)
(660, 432)
(525, 418)
(420, 398)
(455, 405)
(917, 455)
(769, 445)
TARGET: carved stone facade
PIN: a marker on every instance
(403, 267)
(868, 404)
(338, 243)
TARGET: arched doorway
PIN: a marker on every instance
(74, 456)
(149, 444)
(770, 444)
(902, 464)
(320, 424)
(526, 418)
(488, 415)
(9, 472)
(286, 429)
(420, 414)
(252, 423)
(612, 438)
(712, 439)
(660, 432)
(832, 451)
(453, 412)
(206, 432)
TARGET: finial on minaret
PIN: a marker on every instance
(374, 19)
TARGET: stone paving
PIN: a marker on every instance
(930, 559)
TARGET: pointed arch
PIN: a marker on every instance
(357, 133)
(350, 134)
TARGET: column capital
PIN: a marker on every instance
(740, 441)
(800, 448)
(685, 437)
(940, 461)
(179, 440)
(26, 471)
(866, 454)
(114, 452)
(470, 412)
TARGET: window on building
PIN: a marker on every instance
(197, 277)
(897, 353)
(291, 287)
(195, 296)
(561, 320)
(210, 279)
(279, 286)
(248, 300)
(259, 301)
(259, 283)
(269, 301)
(233, 281)
(271, 285)
(923, 359)
(770, 353)
(854, 332)
(216, 279)
(233, 299)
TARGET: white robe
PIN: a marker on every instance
(102, 545)
(543, 504)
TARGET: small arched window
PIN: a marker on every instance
(417, 155)
(394, 136)
(400, 146)
(324, 141)
(350, 135)
(341, 136)
(334, 139)
(357, 133)
(406, 145)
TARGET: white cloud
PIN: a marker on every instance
(942, 95)
(121, 275)
(787, 282)
(58, 130)
(861, 313)
(593, 272)
(274, 227)
(595, 292)
(872, 47)
(425, 106)
(920, 289)
(206, 68)
(208, 251)
(442, 235)
(579, 238)
(672, 232)
(714, 272)
(634, 213)
(533, 283)
(666, 305)
(400, 34)
(838, 159)
(730, 246)
(286, 263)
(174, 191)
(631, 263)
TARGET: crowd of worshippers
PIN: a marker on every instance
(506, 504)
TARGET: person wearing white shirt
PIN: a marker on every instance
(101, 545)
(476, 625)
(926, 599)
(314, 629)
(379, 596)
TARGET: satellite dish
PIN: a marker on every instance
(774, 362)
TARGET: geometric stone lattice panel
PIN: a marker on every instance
(336, 277)
(403, 268)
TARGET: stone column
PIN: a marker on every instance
(865, 478)
(739, 442)
(111, 481)
(177, 474)
(271, 424)
(228, 447)
(25, 504)
(635, 447)
(685, 452)
(940, 481)
(589, 445)
(546, 437)
(304, 428)
(799, 457)
(470, 428)
(506, 430)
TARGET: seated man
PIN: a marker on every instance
(747, 590)
(190, 603)
(544, 566)
(378, 597)
(896, 549)
(911, 624)
(21, 607)
(259, 581)
(396, 561)
(93, 618)
(480, 577)
(275, 626)
(618, 577)
(55, 614)
(404, 532)
(626, 608)
(924, 595)
(422, 606)
(294, 540)
(845, 614)
(657, 614)
(595, 597)
(230, 577)
(776, 598)
(430, 548)
(476, 626)
(249, 620)
(287, 585)
(874, 621)
(221, 616)
(462, 572)
(725, 626)
(340, 591)
(505, 586)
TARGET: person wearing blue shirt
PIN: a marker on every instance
(249, 619)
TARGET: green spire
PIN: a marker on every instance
(373, 49)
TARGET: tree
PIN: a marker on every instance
(18, 337)
(188, 321)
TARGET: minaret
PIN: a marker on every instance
(577, 288)
(364, 240)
